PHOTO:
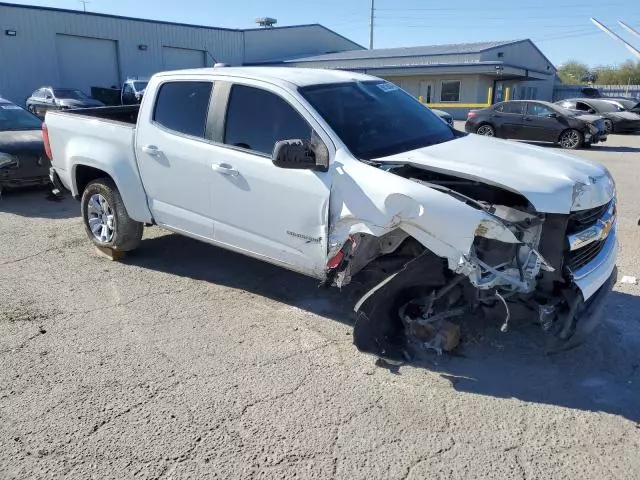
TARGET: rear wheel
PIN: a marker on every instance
(106, 219)
(608, 126)
(571, 139)
(486, 130)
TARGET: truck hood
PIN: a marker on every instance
(554, 182)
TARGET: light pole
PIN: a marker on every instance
(373, 9)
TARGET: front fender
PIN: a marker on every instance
(366, 199)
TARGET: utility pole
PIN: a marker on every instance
(373, 9)
(84, 4)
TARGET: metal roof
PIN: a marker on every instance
(428, 50)
(178, 24)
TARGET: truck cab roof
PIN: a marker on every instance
(300, 77)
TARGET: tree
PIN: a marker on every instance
(574, 72)
(628, 72)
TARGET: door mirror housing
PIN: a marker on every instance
(553, 115)
(295, 154)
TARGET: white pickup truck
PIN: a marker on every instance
(346, 178)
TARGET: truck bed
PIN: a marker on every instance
(122, 114)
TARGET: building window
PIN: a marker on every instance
(500, 54)
(531, 93)
(450, 91)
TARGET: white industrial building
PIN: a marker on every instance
(67, 48)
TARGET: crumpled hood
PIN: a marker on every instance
(22, 142)
(587, 117)
(553, 181)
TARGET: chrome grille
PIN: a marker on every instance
(583, 219)
(579, 258)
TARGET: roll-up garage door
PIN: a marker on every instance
(181, 58)
(85, 62)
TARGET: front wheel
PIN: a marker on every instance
(608, 126)
(571, 139)
(106, 219)
(486, 130)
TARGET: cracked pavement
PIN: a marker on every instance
(187, 361)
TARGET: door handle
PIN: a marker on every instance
(151, 150)
(224, 168)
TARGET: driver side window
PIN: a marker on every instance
(256, 119)
(583, 107)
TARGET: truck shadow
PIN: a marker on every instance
(37, 202)
(602, 375)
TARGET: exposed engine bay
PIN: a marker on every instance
(519, 266)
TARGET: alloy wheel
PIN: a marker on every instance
(101, 218)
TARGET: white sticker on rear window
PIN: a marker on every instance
(387, 87)
(10, 107)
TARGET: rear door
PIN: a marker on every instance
(541, 123)
(507, 119)
(173, 156)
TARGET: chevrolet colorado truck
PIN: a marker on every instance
(346, 178)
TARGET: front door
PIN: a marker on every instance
(174, 157)
(541, 123)
(276, 214)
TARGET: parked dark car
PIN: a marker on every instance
(49, 98)
(616, 119)
(537, 121)
(629, 104)
(444, 116)
(131, 93)
(22, 156)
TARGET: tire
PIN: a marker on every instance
(608, 126)
(105, 217)
(486, 130)
(571, 139)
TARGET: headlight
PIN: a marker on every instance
(8, 161)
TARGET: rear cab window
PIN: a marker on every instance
(256, 119)
(183, 106)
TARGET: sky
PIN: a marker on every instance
(560, 28)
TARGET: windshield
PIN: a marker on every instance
(376, 119)
(628, 104)
(69, 93)
(12, 117)
(139, 86)
(602, 106)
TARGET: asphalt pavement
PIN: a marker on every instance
(187, 361)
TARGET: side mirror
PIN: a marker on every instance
(553, 115)
(294, 154)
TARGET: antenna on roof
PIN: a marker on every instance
(266, 22)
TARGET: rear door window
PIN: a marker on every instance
(183, 107)
(257, 119)
(538, 110)
(514, 108)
